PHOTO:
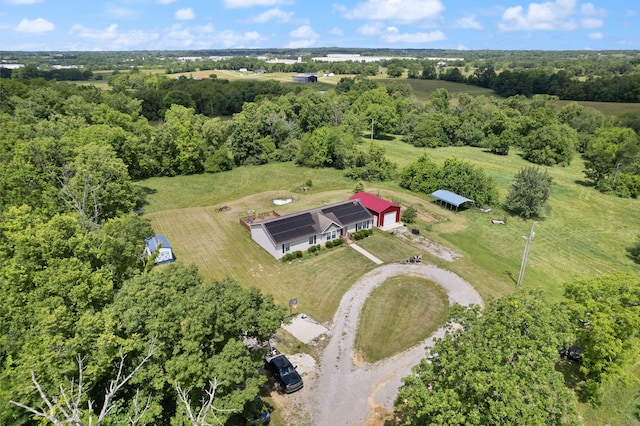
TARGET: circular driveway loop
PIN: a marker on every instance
(345, 393)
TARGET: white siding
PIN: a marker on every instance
(260, 236)
(164, 255)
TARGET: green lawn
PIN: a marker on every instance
(586, 233)
(399, 314)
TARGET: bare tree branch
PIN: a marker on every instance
(200, 419)
(138, 411)
(120, 381)
(40, 412)
(66, 409)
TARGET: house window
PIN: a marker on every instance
(330, 235)
(286, 247)
(362, 225)
(312, 240)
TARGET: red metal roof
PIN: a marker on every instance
(373, 202)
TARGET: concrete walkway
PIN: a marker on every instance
(366, 253)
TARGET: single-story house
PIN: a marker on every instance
(305, 78)
(161, 244)
(385, 212)
(299, 231)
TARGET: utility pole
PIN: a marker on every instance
(372, 130)
(526, 252)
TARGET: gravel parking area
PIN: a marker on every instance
(341, 391)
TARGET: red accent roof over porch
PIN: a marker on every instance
(373, 202)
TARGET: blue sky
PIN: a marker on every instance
(96, 25)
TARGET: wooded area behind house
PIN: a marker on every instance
(74, 281)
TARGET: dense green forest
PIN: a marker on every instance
(74, 282)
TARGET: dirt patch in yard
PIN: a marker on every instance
(429, 246)
(431, 217)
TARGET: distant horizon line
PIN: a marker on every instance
(310, 49)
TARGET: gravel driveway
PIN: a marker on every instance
(344, 393)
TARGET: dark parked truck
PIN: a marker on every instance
(283, 371)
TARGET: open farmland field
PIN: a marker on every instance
(423, 88)
(607, 108)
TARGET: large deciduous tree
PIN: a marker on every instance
(529, 192)
(605, 311)
(610, 151)
(495, 366)
(455, 175)
(550, 145)
(199, 329)
(96, 184)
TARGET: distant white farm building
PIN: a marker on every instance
(161, 244)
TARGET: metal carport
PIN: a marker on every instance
(450, 198)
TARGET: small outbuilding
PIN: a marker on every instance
(385, 213)
(305, 78)
(450, 199)
(161, 244)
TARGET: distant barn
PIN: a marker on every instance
(161, 244)
(305, 78)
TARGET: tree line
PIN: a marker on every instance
(72, 275)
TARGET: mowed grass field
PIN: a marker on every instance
(585, 233)
(395, 298)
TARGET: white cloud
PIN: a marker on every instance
(188, 37)
(134, 38)
(394, 36)
(251, 3)
(396, 10)
(109, 33)
(551, 15)
(336, 31)
(38, 25)
(273, 14)
(165, 1)
(468, 22)
(304, 37)
(120, 12)
(185, 14)
(299, 44)
(116, 40)
(590, 10)
(24, 1)
(595, 36)
(591, 23)
(231, 39)
(304, 31)
(372, 29)
(462, 47)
